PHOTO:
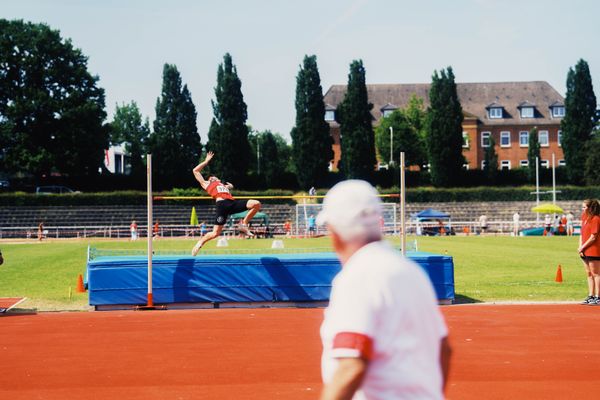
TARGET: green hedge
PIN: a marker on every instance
(413, 195)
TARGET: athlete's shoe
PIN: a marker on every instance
(595, 301)
(588, 300)
(196, 249)
(244, 229)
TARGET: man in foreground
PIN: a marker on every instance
(226, 204)
(383, 334)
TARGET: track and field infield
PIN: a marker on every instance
(500, 352)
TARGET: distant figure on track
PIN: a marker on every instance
(226, 204)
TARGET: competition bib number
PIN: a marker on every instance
(222, 189)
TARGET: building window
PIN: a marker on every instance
(558, 111)
(465, 143)
(387, 113)
(485, 139)
(524, 163)
(495, 112)
(559, 138)
(523, 139)
(543, 138)
(505, 139)
(329, 115)
(561, 163)
(545, 163)
(527, 112)
(466, 166)
(504, 164)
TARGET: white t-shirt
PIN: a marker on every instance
(387, 300)
(516, 218)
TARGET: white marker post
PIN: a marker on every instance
(402, 205)
(150, 301)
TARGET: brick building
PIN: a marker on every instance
(507, 111)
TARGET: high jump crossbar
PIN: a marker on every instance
(255, 197)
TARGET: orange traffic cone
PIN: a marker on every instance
(80, 287)
(558, 274)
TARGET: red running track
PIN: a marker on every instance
(500, 352)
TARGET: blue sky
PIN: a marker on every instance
(400, 41)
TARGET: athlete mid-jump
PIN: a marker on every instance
(226, 204)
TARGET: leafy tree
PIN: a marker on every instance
(577, 125)
(592, 177)
(405, 138)
(532, 152)
(490, 169)
(444, 130)
(127, 127)
(175, 143)
(273, 163)
(51, 108)
(228, 133)
(311, 140)
(354, 116)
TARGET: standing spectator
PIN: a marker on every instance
(383, 335)
(311, 222)
(202, 228)
(40, 231)
(156, 230)
(570, 228)
(133, 229)
(287, 228)
(312, 191)
(516, 219)
(483, 225)
(589, 248)
(547, 225)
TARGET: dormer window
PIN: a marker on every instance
(329, 115)
(495, 112)
(526, 112)
(558, 111)
(388, 109)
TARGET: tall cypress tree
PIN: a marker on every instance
(532, 152)
(175, 143)
(228, 134)
(311, 141)
(444, 130)
(577, 125)
(357, 137)
(490, 169)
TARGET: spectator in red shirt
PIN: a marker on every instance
(589, 248)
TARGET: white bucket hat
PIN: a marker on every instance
(353, 209)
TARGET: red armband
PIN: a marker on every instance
(351, 344)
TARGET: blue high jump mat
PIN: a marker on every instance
(234, 279)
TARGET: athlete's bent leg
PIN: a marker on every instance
(254, 207)
(216, 232)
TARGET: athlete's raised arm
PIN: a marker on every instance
(198, 168)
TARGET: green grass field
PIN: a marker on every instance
(486, 268)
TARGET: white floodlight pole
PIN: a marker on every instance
(149, 189)
(391, 145)
(537, 188)
(402, 205)
(553, 179)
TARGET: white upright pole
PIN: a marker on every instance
(149, 199)
(537, 188)
(553, 179)
(402, 205)
(391, 145)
